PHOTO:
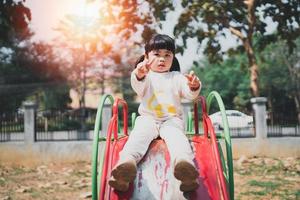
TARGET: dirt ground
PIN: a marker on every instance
(255, 178)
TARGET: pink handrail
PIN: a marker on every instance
(113, 127)
(208, 128)
(125, 116)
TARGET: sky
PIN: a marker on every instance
(46, 15)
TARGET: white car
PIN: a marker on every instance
(236, 119)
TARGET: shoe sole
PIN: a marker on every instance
(187, 174)
(188, 187)
(123, 175)
(119, 185)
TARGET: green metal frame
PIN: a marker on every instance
(96, 174)
(189, 127)
(228, 171)
(133, 118)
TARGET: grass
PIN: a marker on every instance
(255, 193)
(297, 193)
(2, 181)
(34, 193)
(19, 170)
(268, 185)
(80, 174)
(270, 188)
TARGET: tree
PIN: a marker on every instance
(281, 80)
(24, 66)
(14, 20)
(36, 74)
(44, 71)
(91, 54)
(14, 30)
(234, 90)
(210, 21)
(96, 46)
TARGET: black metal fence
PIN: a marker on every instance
(281, 125)
(64, 125)
(242, 132)
(11, 127)
(59, 125)
(239, 132)
(284, 130)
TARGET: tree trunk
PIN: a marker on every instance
(247, 42)
(102, 88)
(297, 107)
(254, 84)
(270, 107)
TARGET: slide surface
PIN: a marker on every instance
(155, 179)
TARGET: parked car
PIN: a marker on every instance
(236, 119)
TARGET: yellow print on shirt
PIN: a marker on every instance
(159, 109)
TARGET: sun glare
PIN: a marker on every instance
(81, 20)
(84, 9)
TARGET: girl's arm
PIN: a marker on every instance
(138, 85)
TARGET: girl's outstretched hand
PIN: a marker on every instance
(143, 68)
(193, 81)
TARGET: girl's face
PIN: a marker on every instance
(162, 60)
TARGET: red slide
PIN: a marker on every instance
(155, 179)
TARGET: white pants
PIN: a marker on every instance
(147, 129)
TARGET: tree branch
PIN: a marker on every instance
(236, 32)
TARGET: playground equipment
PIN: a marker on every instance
(155, 179)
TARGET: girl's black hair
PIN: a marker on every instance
(160, 41)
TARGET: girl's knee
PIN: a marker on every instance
(174, 123)
(145, 127)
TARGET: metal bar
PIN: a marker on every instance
(227, 137)
(95, 174)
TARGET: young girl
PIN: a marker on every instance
(157, 80)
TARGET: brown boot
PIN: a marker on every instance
(122, 175)
(187, 174)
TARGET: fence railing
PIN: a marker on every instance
(239, 132)
(11, 127)
(64, 125)
(283, 126)
(284, 131)
(72, 135)
(72, 125)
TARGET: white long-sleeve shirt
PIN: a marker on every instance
(161, 94)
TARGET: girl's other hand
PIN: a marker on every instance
(143, 68)
(193, 81)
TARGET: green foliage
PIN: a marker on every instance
(14, 19)
(230, 78)
(210, 21)
(281, 80)
(54, 97)
(33, 74)
(28, 69)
